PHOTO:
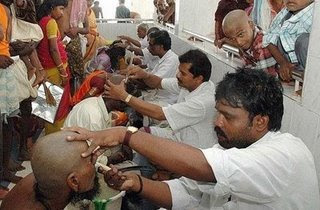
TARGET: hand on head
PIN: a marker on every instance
(135, 72)
(107, 138)
(123, 37)
(115, 92)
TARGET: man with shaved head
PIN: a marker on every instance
(242, 33)
(60, 176)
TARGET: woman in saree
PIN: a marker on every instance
(53, 57)
(106, 62)
(94, 40)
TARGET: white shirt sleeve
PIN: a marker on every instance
(184, 193)
(167, 68)
(252, 174)
(171, 85)
(184, 114)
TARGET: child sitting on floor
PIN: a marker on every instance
(242, 33)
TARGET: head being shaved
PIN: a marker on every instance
(58, 166)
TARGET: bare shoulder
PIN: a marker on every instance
(21, 196)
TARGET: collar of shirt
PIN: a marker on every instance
(204, 87)
(103, 108)
(301, 14)
(167, 55)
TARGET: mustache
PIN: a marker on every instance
(219, 132)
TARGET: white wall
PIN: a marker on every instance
(143, 7)
(198, 16)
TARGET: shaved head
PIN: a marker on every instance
(238, 27)
(233, 19)
(57, 165)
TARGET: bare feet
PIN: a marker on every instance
(10, 177)
(40, 76)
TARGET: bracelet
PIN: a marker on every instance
(61, 64)
(141, 184)
(128, 98)
(64, 75)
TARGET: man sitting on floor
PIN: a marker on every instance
(60, 176)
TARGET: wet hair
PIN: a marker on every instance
(256, 92)
(161, 37)
(48, 5)
(200, 64)
(121, 1)
(152, 29)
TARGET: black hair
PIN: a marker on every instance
(114, 52)
(152, 29)
(200, 63)
(256, 91)
(161, 37)
(48, 5)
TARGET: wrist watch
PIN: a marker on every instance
(130, 130)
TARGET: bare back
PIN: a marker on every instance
(22, 196)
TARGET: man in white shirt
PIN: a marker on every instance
(160, 45)
(190, 119)
(254, 166)
(142, 30)
(147, 60)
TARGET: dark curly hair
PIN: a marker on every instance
(256, 92)
(200, 63)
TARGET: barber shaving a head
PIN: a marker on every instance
(60, 176)
(253, 166)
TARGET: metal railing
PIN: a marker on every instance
(125, 20)
(230, 50)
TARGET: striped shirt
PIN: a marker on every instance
(289, 30)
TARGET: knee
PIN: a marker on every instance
(302, 42)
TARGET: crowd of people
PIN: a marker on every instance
(199, 145)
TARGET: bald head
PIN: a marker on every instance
(54, 158)
(234, 19)
(238, 27)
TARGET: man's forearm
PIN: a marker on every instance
(176, 157)
(152, 81)
(134, 42)
(137, 51)
(157, 192)
(148, 109)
